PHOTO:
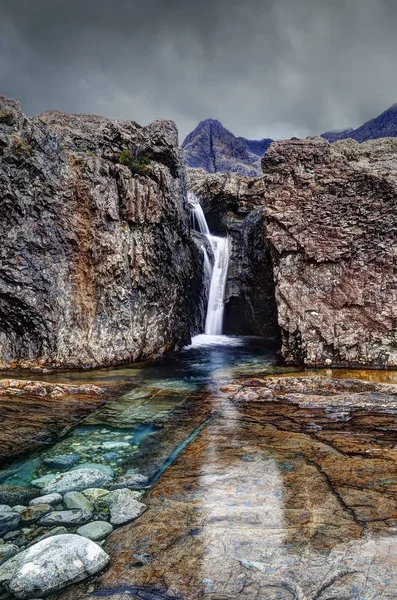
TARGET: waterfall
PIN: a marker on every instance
(217, 273)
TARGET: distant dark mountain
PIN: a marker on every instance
(383, 126)
(215, 149)
(337, 134)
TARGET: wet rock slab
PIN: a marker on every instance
(276, 497)
(33, 413)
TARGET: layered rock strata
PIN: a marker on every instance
(97, 265)
(34, 413)
(329, 219)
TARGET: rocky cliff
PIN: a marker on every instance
(328, 215)
(97, 265)
(214, 148)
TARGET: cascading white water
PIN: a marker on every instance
(217, 273)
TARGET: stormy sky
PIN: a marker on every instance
(265, 68)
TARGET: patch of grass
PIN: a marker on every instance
(137, 164)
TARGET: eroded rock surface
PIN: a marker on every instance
(288, 491)
(329, 217)
(96, 264)
(33, 413)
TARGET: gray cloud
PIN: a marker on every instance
(265, 68)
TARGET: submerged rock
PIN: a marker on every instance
(7, 551)
(124, 507)
(77, 500)
(51, 565)
(62, 461)
(8, 521)
(66, 517)
(135, 481)
(97, 530)
(34, 513)
(17, 494)
(97, 466)
(51, 533)
(48, 499)
(76, 481)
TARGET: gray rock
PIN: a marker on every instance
(54, 531)
(17, 494)
(124, 508)
(94, 493)
(97, 530)
(77, 480)
(62, 461)
(5, 508)
(52, 499)
(32, 514)
(51, 565)
(77, 500)
(135, 481)
(7, 551)
(44, 480)
(105, 501)
(97, 466)
(8, 521)
(54, 159)
(115, 445)
(18, 508)
(66, 517)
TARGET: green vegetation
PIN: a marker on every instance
(137, 164)
(7, 118)
(20, 148)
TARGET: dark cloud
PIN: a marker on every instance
(265, 68)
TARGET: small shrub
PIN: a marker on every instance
(7, 118)
(137, 164)
(20, 148)
(136, 125)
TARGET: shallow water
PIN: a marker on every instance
(256, 502)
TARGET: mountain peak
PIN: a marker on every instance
(216, 149)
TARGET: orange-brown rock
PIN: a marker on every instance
(33, 413)
(264, 504)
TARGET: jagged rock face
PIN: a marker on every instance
(330, 218)
(97, 265)
(385, 125)
(214, 148)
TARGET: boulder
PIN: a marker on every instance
(51, 565)
(66, 517)
(48, 499)
(118, 268)
(17, 494)
(77, 500)
(98, 466)
(32, 514)
(97, 530)
(93, 494)
(8, 521)
(7, 551)
(124, 507)
(76, 481)
(134, 481)
(62, 461)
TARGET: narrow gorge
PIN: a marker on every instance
(199, 368)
